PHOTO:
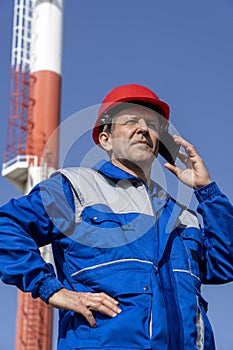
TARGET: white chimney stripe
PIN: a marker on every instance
(46, 48)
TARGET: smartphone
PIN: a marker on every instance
(168, 149)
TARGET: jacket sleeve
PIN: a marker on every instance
(26, 225)
(217, 214)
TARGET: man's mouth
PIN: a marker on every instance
(144, 142)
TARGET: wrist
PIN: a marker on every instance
(49, 287)
(202, 184)
(206, 192)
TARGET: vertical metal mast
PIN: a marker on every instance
(34, 116)
(16, 158)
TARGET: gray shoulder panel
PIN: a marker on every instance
(91, 187)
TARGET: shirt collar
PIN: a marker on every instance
(112, 171)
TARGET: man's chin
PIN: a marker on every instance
(141, 160)
(144, 156)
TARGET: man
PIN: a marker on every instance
(130, 260)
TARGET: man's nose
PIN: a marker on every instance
(142, 125)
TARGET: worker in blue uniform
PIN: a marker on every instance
(130, 260)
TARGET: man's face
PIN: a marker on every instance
(134, 136)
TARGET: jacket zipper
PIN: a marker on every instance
(156, 216)
(154, 213)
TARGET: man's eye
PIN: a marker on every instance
(131, 122)
(153, 126)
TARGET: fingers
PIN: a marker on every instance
(173, 168)
(100, 302)
(88, 316)
(85, 303)
(191, 157)
(189, 148)
(185, 159)
(195, 174)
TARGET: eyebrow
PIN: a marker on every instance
(135, 116)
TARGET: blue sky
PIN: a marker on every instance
(182, 50)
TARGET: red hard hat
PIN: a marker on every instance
(138, 94)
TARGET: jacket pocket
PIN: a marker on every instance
(205, 338)
(101, 215)
(128, 281)
(102, 228)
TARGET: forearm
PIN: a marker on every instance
(217, 213)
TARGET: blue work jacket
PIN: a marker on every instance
(111, 233)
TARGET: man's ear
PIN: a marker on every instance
(105, 141)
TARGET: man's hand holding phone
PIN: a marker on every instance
(195, 174)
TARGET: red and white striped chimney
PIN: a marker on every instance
(46, 53)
